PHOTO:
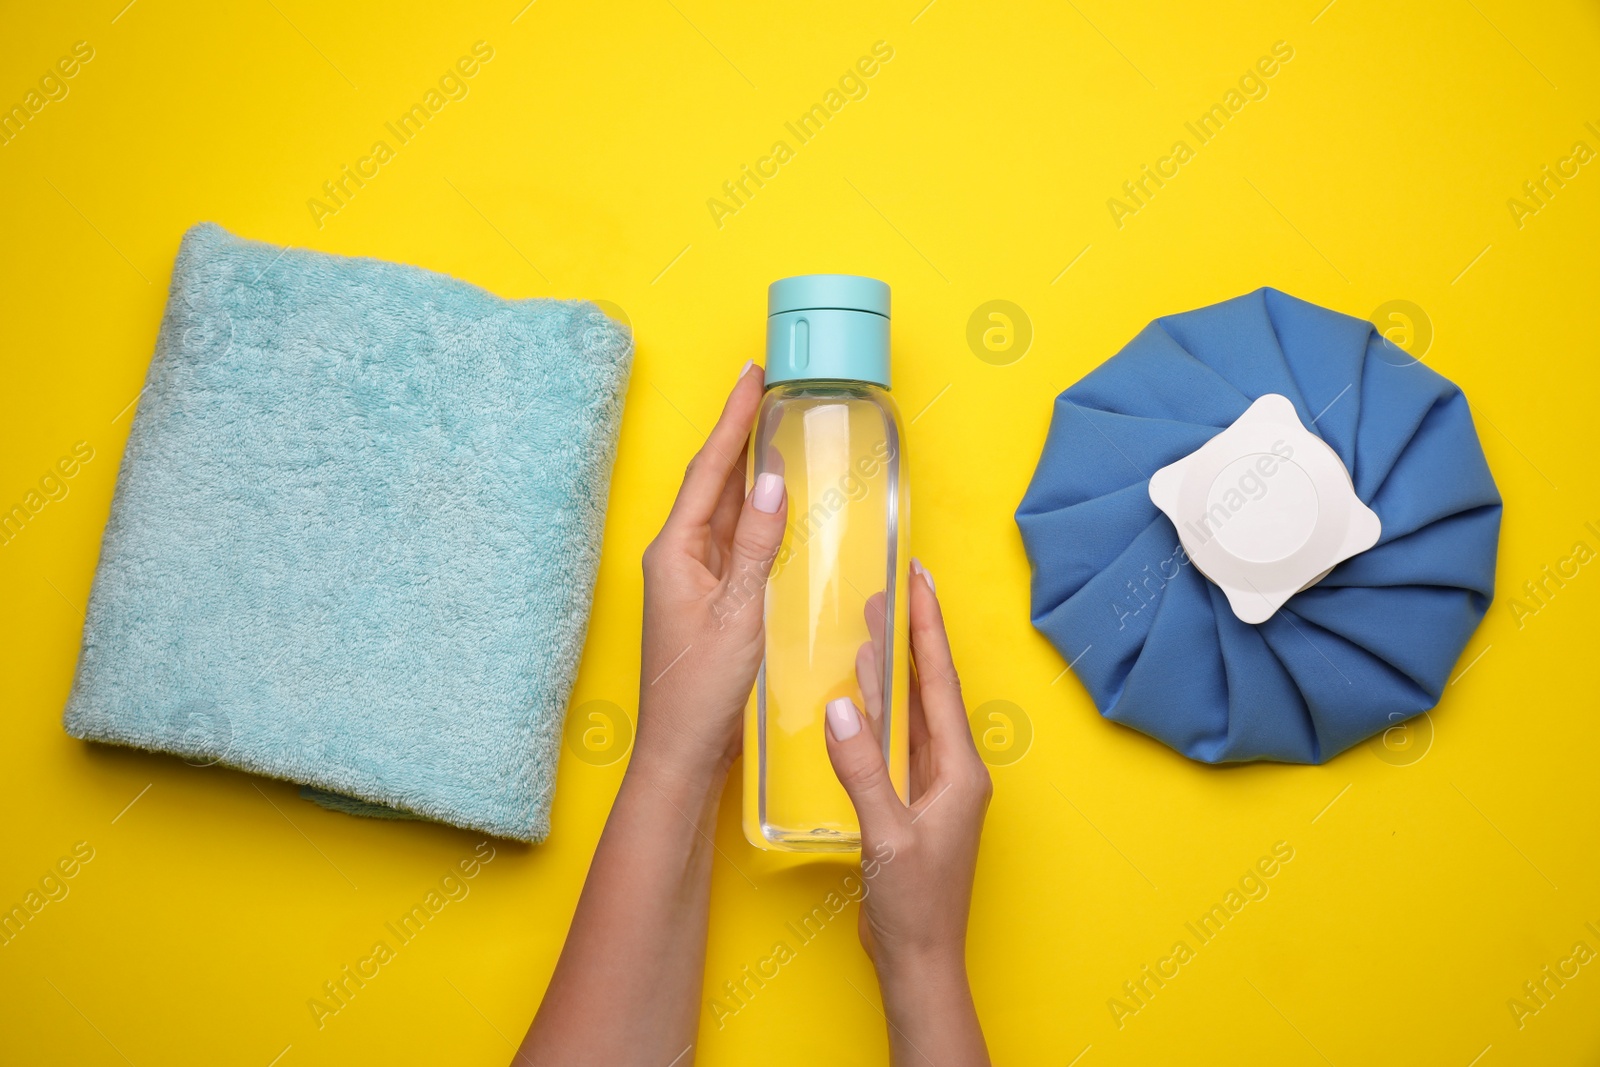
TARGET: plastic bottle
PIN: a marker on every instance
(835, 606)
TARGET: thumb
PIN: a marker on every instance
(858, 761)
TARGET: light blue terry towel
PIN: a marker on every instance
(355, 532)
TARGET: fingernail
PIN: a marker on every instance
(769, 492)
(746, 368)
(918, 568)
(843, 719)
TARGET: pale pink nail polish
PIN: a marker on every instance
(746, 368)
(769, 493)
(843, 719)
(918, 568)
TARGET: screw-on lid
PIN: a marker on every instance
(841, 292)
(828, 327)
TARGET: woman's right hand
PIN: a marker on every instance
(918, 861)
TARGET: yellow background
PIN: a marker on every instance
(978, 167)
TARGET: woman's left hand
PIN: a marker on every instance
(627, 986)
(705, 578)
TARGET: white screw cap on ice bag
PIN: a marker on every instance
(1265, 508)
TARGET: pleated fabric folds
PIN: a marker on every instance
(1156, 643)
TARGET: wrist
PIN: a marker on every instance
(932, 966)
(678, 745)
(925, 985)
(690, 784)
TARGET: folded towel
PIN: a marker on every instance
(355, 532)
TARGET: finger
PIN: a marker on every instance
(869, 662)
(757, 537)
(708, 472)
(857, 759)
(920, 750)
(725, 519)
(869, 679)
(873, 613)
(937, 682)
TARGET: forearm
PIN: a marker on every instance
(627, 986)
(931, 1017)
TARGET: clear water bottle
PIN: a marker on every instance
(836, 606)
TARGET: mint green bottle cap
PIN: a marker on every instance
(828, 327)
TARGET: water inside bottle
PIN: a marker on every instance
(835, 609)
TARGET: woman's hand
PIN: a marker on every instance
(705, 578)
(627, 987)
(918, 861)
